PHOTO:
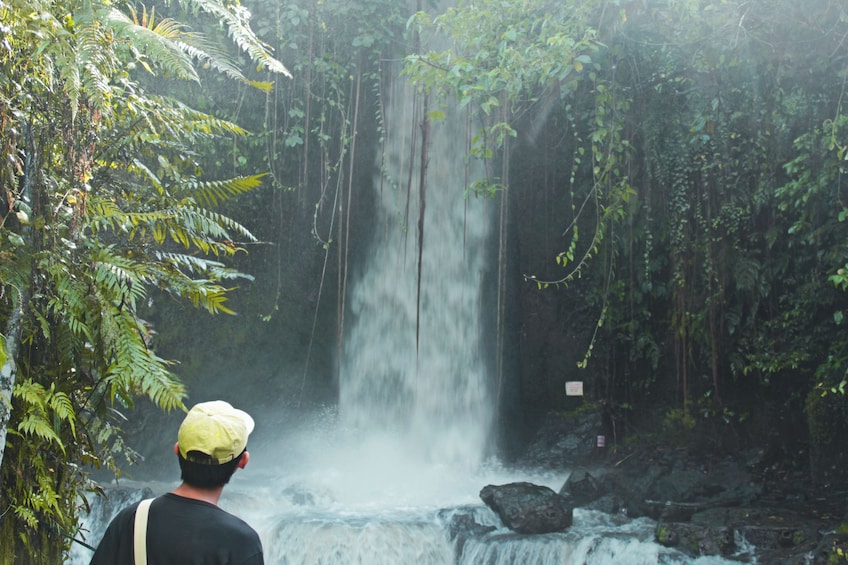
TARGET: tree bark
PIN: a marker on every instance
(16, 319)
(7, 376)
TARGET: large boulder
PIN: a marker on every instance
(529, 509)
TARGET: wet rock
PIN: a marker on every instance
(581, 488)
(529, 509)
(758, 503)
(695, 539)
(565, 439)
(663, 485)
(778, 534)
(462, 525)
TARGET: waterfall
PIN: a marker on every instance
(393, 477)
(412, 370)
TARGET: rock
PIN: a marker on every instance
(757, 503)
(581, 488)
(529, 509)
(565, 440)
(695, 539)
(663, 485)
(462, 525)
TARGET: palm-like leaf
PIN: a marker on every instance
(114, 172)
(160, 43)
(236, 18)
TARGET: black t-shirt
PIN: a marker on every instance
(181, 531)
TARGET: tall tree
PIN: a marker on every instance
(104, 207)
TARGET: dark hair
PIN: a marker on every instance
(206, 475)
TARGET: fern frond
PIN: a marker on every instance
(211, 193)
(70, 302)
(262, 85)
(27, 516)
(211, 231)
(140, 168)
(215, 59)
(98, 63)
(122, 278)
(231, 226)
(236, 18)
(31, 393)
(192, 44)
(35, 419)
(190, 226)
(213, 270)
(175, 271)
(71, 84)
(63, 408)
(36, 425)
(206, 296)
(105, 214)
(138, 370)
(172, 121)
(194, 120)
(158, 47)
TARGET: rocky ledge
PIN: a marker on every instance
(704, 503)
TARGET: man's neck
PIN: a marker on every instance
(210, 495)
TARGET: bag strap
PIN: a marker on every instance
(140, 532)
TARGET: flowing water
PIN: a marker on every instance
(392, 476)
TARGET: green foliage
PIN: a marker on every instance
(503, 70)
(105, 199)
(838, 552)
(731, 237)
(697, 172)
(504, 61)
(679, 424)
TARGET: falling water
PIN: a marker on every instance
(393, 478)
(413, 371)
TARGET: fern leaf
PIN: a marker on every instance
(138, 369)
(31, 393)
(236, 18)
(27, 516)
(122, 278)
(211, 193)
(157, 47)
(216, 60)
(35, 425)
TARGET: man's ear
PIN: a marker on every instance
(245, 457)
(177, 448)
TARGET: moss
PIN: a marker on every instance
(665, 536)
(837, 555)
(7, 545)
(798, 537)
(31, 548)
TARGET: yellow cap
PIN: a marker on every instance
(215, 429)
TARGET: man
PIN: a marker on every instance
(186, 526)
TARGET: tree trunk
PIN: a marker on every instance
(16, 319)
(7, 375)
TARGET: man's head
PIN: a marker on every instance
(211, 443)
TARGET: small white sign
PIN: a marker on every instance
(574, 388)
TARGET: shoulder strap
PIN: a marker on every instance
(140, 532)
